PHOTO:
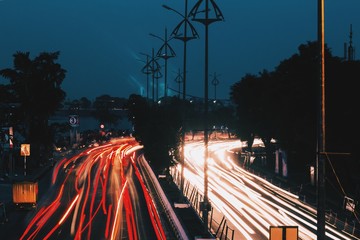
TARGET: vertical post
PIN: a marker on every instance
(11, 163)
(217, 16)
(321, 128)
(206, 102)
(183, 132)
(215, 82)
(147, 78)
(166, 58)
(24, 165)
(178, 80)
(147, 70)
(164, 52)
(153, 74)
(183, 37)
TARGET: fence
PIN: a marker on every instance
(220, 228)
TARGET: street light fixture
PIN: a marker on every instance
(215, 82)
(179, 79)
(146, 70)
(185, 32)
(320, 160)
(202, 16)
(157, 75)
(152, 67)
(165, 52)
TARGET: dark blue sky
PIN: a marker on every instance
(100, 40)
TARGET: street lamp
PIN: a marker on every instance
(157, 74)
(215, 82)
(202, 16)
(179, 79)
(185, 32)
(321, 136)
(146, 70)
(152, 67)
(165, 52)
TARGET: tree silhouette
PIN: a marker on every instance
(283, 104)
(157, 127)
(36, 85)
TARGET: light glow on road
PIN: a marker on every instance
(92, 197)
(249, 203)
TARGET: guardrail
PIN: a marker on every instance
(349, 227)
(222, 231)
(217, 222)
(173, 219)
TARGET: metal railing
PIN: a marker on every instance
(220, 229)
(217, 222)
(171, 216)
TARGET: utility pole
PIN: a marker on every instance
(321, 135)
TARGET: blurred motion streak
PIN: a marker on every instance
(95, 195)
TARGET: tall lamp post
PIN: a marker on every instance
(165, 52)
(200, 13)
(321, 136)
(146, 70)
(152, 67)
(179, 79)
(215, 82)
(185, 32)
(157, 75)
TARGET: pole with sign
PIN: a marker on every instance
(25, 151)
(74, 123)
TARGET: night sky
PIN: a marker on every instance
(100, 41)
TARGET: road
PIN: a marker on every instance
(249, 203)
(96, 194)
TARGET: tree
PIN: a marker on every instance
(36, 85)
(157, 127)
(242, 94)
(283, 104)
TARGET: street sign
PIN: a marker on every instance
(74, 120)
(25, 150)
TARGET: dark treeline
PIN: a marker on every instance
(33, 95)
(284, 105)
(35, 88)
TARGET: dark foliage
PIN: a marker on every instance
(157, 127)
(284, 105)
(35, 84)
